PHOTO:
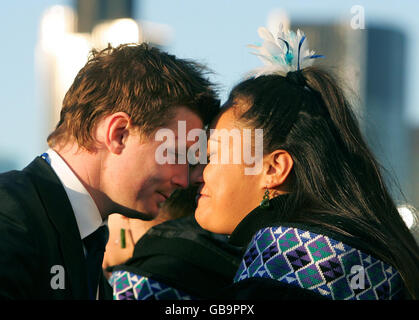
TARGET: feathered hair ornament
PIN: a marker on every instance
(282, 53)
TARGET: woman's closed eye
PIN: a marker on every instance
(210, 156)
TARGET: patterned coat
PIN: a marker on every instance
(302, 261)
(325, 266)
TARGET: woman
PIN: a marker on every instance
(327, 226)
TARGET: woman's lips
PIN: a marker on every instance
(200, 196)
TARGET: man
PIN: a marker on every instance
(101, 160)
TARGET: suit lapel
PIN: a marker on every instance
(60, 212)
(105, 290)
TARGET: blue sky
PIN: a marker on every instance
(213, 32)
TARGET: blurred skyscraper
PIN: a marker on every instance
(371, 63)
(68, 34)
(92, 12)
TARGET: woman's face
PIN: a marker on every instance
(227, 194)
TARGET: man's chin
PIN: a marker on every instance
(136, 214)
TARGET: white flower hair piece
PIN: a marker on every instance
(281, 53)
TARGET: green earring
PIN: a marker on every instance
(265, 201)
(123, 243)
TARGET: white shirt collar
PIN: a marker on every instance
(87, 214)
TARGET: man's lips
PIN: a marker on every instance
(166, 196)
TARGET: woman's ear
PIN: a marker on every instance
(278, 166)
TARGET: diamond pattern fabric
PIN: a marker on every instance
(131, 286)
(317, 262)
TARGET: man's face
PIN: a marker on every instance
(136, 183)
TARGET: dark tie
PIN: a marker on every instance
(95, 249)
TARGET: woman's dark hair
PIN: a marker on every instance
(335, 181)
(181, 203)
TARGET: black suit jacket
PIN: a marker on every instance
(38, 231)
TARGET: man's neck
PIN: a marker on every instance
(87, 168)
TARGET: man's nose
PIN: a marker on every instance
(196, 176)
(181, 177)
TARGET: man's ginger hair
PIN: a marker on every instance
(142, 81)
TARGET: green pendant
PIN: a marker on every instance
(265, 202)
(123, 244)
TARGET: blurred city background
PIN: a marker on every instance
(371, 44)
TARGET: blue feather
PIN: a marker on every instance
(315, 56)
(299, 48)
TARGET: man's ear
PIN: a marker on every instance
(113, 131)
(278, 166)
